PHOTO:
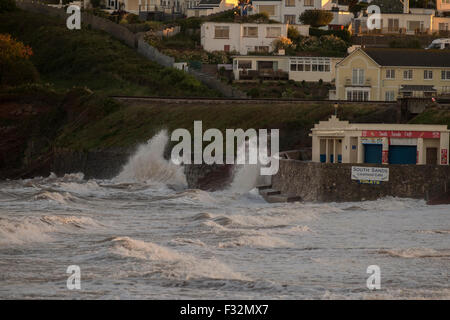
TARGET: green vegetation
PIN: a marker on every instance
(326, 45)
(15, 66)
(285, 89)
(405, 43)
(316, 18)
(94, 59)
(433, 115)
(7, 6)
(82, 120)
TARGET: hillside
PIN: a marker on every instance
(38, 121)
(93, 59)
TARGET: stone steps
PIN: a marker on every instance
(274, 196)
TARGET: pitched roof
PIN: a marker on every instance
(412, 87)
(409, 57)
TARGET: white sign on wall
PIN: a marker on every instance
(370, 173)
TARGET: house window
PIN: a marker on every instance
(289, 18)
(428, 75)
(443, 26)
(310, 64)
(244, 64)
(262, 49)
(390, 96)
(407, 75)
(251, 32)
(290, 3)
(393, 25)
(445, 75)
(415, 25)
(222, 32)
(309, 3)
(273, 32)
(269, 9)
(390, 74)
(358, 95)
(358, 76)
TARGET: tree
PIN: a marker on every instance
(355, 7)
(389, 6)
(7, 6)
(282, 43)
(15, 66)
(316, 17)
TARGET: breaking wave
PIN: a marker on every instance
(417, 253)
(148, 164)
(39, 229)
(172, 264)
(262, 241)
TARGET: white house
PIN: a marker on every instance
(198, 8)
(285, 67)
(241, 37)
(289, 11)
(410, 21)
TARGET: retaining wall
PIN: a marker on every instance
(332, 182)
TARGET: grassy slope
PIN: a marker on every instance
(94, 59)
(136, 123)
(433, 116)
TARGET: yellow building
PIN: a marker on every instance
(336, 141)
(381, 74)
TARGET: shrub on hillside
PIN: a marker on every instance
(293, 34)
(282, 43)
(343, 34)
(316, 18)
(7, 6)
(15, 67)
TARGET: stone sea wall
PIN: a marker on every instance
(332, 182)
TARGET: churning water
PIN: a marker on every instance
(144, 235)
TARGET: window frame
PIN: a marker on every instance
(409, 71)
(223, 28)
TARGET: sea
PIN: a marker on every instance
(145, 235)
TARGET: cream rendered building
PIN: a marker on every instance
(386, 74)
(336, 141)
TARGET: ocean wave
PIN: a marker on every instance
(62, 198)
(172, 264)
(148, 165)
(256, 242)
(40, 229)
(416, 253)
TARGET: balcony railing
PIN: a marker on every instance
(349, 83)
(263, 74)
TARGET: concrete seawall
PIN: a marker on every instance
(332, 182)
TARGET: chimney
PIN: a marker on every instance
(405, 6)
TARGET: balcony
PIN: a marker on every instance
(264, 74)
(367, 83)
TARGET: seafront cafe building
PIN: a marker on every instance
(336, 141)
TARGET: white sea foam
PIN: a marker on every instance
(416, 253)
(148, 164)
(173, 264)
(40, 229)
(261, 241)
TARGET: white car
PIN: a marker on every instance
(440, 44)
